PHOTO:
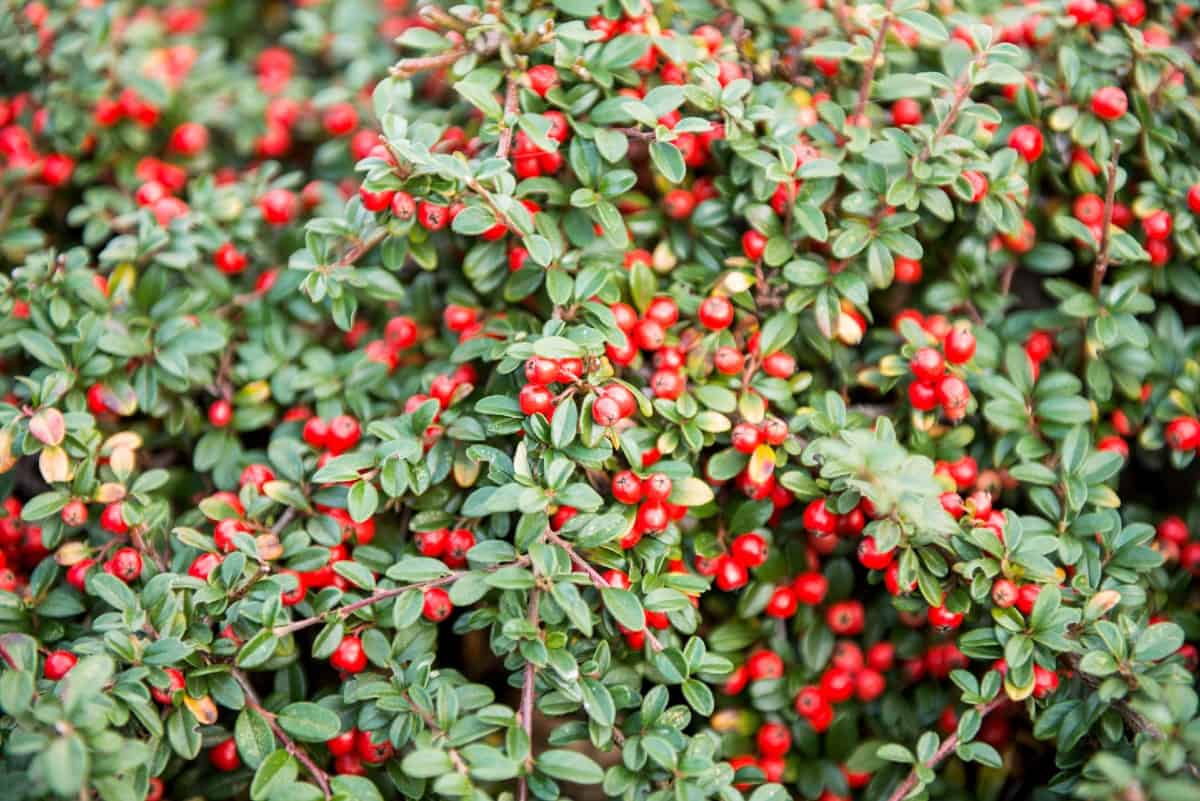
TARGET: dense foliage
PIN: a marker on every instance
(681, 400)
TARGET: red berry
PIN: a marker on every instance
(1109, 103)
(542, 78)
(342, 744)
(779, 365)
(220, 413)
(125, 564)
(872, 558)
(1193, 198)
(436, 606)
(278, 206)
(344, 433)
(535, 399)
(370, 751)
(773, 739)
(716, 313)
(783, 603)
(810, 588)
(979, 185)
(928, 364)
(1183, 434)
(908, 271)
(959, 345)
(189, 139)
(730, 575)
(764, 665)
(58, 664)
(203, 566)
(224, 756)
(316, 432)
(679, 204)
(75, 513)
(1004, 593)
(627, 487)
(1158, 225)
(748, 550)
(349, 655)
(753, 244)
(1027, 141)
(728, 360)
(845, 617)
(431, 216)
(819, 519)
(745, 437)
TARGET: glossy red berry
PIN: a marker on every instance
(959, 345)
(125, 564)
(753, 245)
(436, 605)
(748, 550)
(1109, 103)
(224, 756)
(349, 655)
(58, 664)
(542, 78)
(1027, 141)
(716, 313)
(220, 413)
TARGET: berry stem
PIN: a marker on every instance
(864, 89)
(527, 696)
(383, 595)
(437, 731)
(510, 110)
(252, 700)
(597, 580)
(948, 745)
(1110, 192)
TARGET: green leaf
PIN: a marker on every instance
(569, 766)
(1158, 641)
(668, 160)
(275, 773)
(625, 607)
(309, 722)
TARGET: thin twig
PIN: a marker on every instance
(527, 696)
(284, 519)
(437, 731)
(597, 580)
(1134, 719)
(383, 595)
(864, 89)
(1109, 201)
(407, 67)
(950, 743)
(362, 248)
(510, 110)
(314, 770)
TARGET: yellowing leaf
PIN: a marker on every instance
(1017, 693)
(691, 492)
(203, 709)
(54, 464)
(48, 426)
(762, 464)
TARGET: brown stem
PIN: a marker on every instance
(314, 770)
(362, 248)
(1109, 201)
(864, 89)
(1133, 719)
(527, 697)
(407, 67)
(510, 109)
(950, 743)
(597, 580)
(382, 595)
(437, 731)
(284, 519)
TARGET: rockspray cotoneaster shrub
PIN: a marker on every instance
(766, 399)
